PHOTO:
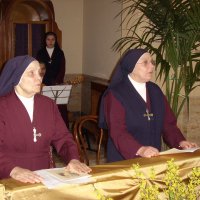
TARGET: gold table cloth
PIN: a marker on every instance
(111, 180)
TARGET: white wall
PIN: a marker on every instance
(100, 30)
(69, 17)
(88, 33)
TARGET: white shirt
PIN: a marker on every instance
(140, 88)
(50, 51)
(28, 104)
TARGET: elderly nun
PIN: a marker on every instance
(29, 124)
(136, 112)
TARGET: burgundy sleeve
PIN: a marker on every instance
(6, 164)
(63, 140)
(115, 117)
(171, 133)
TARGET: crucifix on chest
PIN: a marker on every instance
(148, 115)
(35, 134)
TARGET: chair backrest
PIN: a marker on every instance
(84, 128)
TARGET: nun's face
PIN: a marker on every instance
(50, 41)
(143, 69)
(30, 82)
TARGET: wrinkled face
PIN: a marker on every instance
(144, 68)
(30, 82)
(50, 41)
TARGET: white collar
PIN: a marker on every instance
(140, 87)
(28, 104)
(24, 99)
(136, 84)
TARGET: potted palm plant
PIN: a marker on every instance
(170, 29)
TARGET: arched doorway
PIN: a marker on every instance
(22, 26)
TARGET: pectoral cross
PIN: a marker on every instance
(148, 115)
(35, 135)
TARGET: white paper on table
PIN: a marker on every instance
(55, 177)
(174, 150)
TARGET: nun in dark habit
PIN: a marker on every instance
(54, 59)
(136, 112)
(29, 124)
(52, 56)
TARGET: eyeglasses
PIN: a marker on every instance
(146, 62)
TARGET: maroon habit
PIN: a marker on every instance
(125, 143)
(17, 146)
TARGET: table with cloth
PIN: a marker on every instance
(111, 180)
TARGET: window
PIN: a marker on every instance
(28, 38)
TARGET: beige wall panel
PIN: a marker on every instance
(69, 17)
(101, 30)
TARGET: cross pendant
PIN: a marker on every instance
(35, 135)
(148, 115)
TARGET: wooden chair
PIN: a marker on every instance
(85, 129)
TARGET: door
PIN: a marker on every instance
(22, 27)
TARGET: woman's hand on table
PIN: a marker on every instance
(147, 151)
(77, 167)
(25, 175)
(187, 144)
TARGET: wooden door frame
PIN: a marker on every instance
(7, 25)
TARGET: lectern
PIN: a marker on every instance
(59, 93)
